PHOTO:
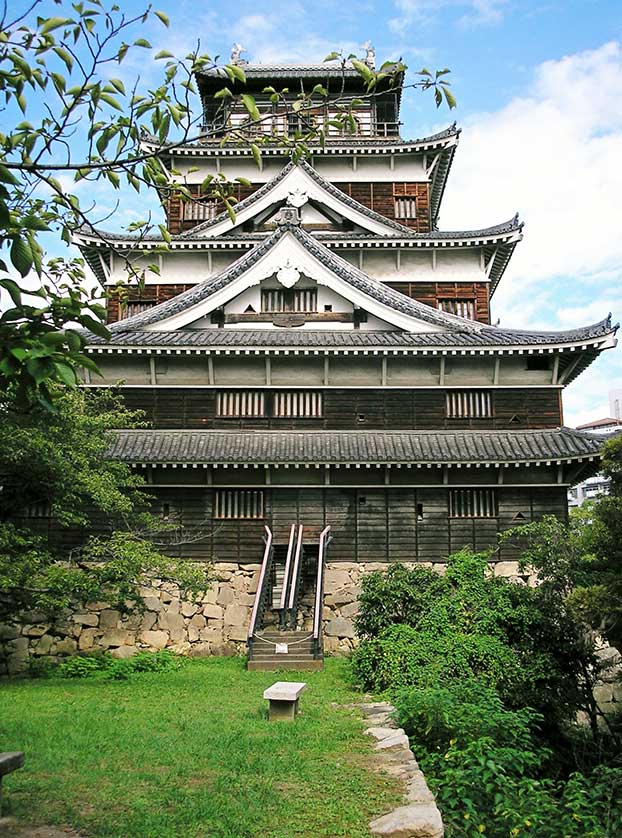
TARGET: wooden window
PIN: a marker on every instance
(281, 301)
(468, 404)
(236, 403)
(238, 503)
(39, 509)
(202, 210)
(405, 206)
(133, 307)
(304, 404)
(472, 503)
(461, 308)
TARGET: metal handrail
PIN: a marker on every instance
(288, 561)
(267, 555)
(295, 583)
(319, 587)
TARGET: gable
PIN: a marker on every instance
(298, 185)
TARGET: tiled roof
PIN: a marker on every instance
(327, 186)
(128, 333)
(373, 288)
(352, 447)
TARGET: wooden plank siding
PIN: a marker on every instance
(399, 409)
(431, 292)
(148, 293)
(380, 197)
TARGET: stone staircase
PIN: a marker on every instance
(300, 653)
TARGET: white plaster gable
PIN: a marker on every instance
(289, 258)
(299, 187)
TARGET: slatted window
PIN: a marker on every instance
(303, 404)
(282, 301)
(201, 210)
(238, 503)
(405, 206)
(133, 307)
(462, 308)
(468, 404)
(39, 509)
(472, 503)
(235, 403)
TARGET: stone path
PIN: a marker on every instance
(419, 817)
(10, 828)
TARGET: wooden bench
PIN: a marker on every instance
(9, 762)
(283, 697)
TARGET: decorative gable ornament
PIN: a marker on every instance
(287, 216)
(297, 198)
(288, 275)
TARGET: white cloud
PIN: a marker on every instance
(554, 154)
(423, 12)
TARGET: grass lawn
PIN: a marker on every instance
(191, 753)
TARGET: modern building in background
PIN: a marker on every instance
(322, 366)
(597, 485)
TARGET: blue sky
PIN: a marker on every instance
(539, 87)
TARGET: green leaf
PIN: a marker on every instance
(331, 56)
(244, 181)
(249, 103)
(320, 89)
(118, 85)
(95, 326)
(21, 256)
(6, 176)
(222, 93)
(65, 373)
(163, 54)
(163, 17)
(235, 72)
(362, 69)
(142, 42)
(256, 154)
(449, 98)
(13, 289)
(54, 23)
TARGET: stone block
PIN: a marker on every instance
(223, 650)
(397, 740)
(250, 568)
(86, 619)
(254, 583)
(97, 606)
(413, 821)
(18, 644)
(34, 616)
(88, 639)
(8, 632)
(148, 621)
(152, 603)
(44, 645)
(506, 569)
(238, 633)
(66, 646)
(170, 622)
(109, 619)
(123, 652)
(417, 790)
(225, 567)
(225, 595)
(336, 580)
(211, 594)
(154, 639)
(132, 622)
(200, 650)
(35, 631)
(189, 609)
(198, 621)
(17, 663)
(236, 615)
(350, 610)
(116, 637)
(339, 627)
(343, 596)
(193, 634)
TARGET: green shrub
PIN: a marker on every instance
(485, 765)
(83, 666)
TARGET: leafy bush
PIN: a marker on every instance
(468, 624)
(485, 765)
(85, 666)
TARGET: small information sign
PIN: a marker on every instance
(281, 648)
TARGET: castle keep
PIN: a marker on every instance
(322, 377)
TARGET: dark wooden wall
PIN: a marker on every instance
(149, 293)
(371, 524)
(375, 196)
(431, 292)
(187, 407)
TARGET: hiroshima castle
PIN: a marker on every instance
(319, 370)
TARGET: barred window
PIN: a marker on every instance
(282, 301)
(132, 307)
(468, 404)
(238, 503)
(39, 509)
(405, 206)
(462, 308)
(297, 404)
(202, 210)
(472, 503)
(232, 403)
